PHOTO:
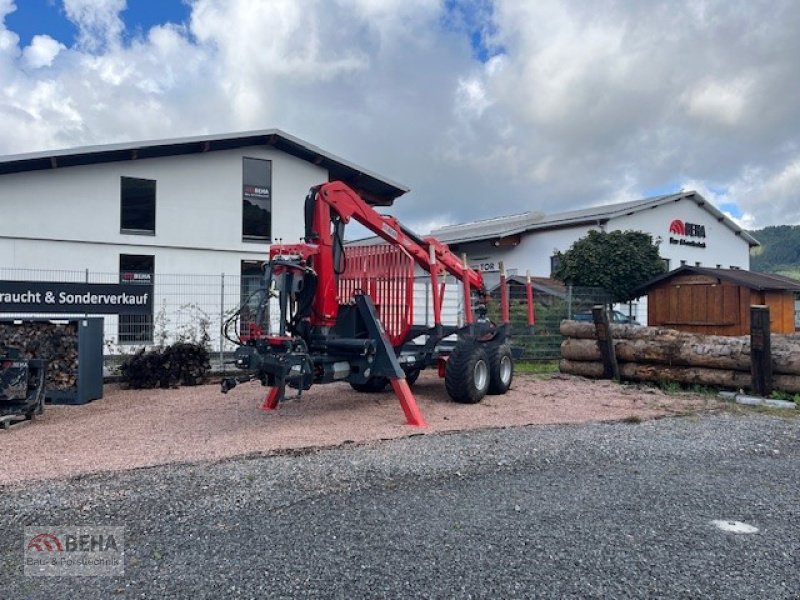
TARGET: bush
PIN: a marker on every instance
(181, 363)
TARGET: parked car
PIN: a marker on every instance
(615, 316)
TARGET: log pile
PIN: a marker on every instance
(54, 342)
(179, 364)
(657, 354)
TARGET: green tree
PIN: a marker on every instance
(617, 261)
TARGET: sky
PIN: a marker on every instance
(482, 107)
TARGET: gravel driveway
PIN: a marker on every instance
(620, 510)
(137, 428)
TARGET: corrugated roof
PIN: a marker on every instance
(762, 282)
(536, 221)
(375, 188)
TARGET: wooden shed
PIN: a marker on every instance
(717, 301)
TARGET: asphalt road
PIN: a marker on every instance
(591, 511)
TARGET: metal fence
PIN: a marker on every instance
(194, 308)
(542, 341)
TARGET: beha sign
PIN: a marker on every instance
(83, 298)
(684, 230)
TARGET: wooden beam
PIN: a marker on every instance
(605, 343)
(53, 162)
(206, 146)
(760, 350)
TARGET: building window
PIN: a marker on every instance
(252, 280)
(135, 269)
(683, 263)
(138, 206)
(256, 199)
(697, 263)
(665, 262)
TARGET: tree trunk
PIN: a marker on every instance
(670, 347)
(692, 375)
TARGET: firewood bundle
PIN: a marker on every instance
(54, 342)
(179, 364)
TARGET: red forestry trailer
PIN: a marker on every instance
(346, 313)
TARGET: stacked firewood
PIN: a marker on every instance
(54, 342)
(179, 364)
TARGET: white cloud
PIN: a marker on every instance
(722, 102)
(585, 103)
(98, 21)
(42, 51)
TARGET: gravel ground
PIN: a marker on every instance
(137, 428)
(618, 510)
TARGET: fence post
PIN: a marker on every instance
(569, 301)
(760, 351)
(221, 320)
(605, 342)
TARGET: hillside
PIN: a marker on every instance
(779, 251)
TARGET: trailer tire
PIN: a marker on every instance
(501, 368)
(412, 376)
(373, 385)
(467, 373)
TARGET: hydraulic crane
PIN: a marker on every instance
(346, 313)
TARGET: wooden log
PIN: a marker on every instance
(689, 349)
(691, 375)
(670, 352)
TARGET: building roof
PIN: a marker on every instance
(500, 227)
(375, 188)
(762, 282)
(545, 285)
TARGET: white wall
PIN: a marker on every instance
(723, 246)
(58, 223)
(198, 206)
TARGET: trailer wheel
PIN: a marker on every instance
(372, 386)
(467, 373)
(412, 376)
(501, 368)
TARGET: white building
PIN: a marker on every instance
(178, 212)
(688, 229)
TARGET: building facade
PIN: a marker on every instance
(179, 212)
(688, 229)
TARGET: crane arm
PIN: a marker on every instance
(429, 253)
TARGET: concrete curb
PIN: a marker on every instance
(755, 400)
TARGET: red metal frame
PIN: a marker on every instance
(529, 294)
(386, 273)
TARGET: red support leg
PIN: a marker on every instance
(529, 294)
(271, 401)
(408, 403)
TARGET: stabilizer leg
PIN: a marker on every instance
(408, 402)
(273, 397)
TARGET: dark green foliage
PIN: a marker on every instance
(779, 250)
(179, 364)
(616, 261)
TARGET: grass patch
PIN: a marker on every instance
(529, 367)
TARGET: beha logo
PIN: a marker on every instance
(45, 542)
(678, 227)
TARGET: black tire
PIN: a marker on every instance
(373, 385)
(466, 376)
(412, 376)
(501, 368)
